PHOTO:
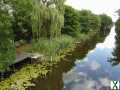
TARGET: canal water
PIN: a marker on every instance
(93, 72)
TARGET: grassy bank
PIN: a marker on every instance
(59, 47)
(52, 47)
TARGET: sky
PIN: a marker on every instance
(108, 7)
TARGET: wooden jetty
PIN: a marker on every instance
(21, 57)
(21, 60)
(24, 56)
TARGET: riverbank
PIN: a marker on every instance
(55, 79)
(22, 78)
(89, 61)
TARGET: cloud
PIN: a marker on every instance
(105, 82)
(82, 81)
(94, 65)
(87, 85)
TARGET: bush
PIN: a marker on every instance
(52, 47)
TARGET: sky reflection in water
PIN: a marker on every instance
(94, 72)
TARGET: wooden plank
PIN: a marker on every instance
(21, 57)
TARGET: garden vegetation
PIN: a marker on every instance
(49, 27)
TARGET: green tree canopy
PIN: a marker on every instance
(106, 21)
(89, 21)
(71, 22)
(77, 22)
(7, 47)
(47, 18)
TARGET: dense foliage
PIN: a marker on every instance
(106, 23)
(43, 24)
(7, 47)
(77, 22)
(89, 21)
(28, 20)
(37, 18)
(71, 22)
(39, 21)
(47, 18)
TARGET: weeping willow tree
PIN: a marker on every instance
(7, 47)
(47, 21)
(47, 18)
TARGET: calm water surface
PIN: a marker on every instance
(94, 72)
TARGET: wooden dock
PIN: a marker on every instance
(21, 57)
(24, 56)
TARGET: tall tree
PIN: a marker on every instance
(71, 23)
(89, 21)
(22, 11)
(7, 47)
(47, 17)
(106, 23)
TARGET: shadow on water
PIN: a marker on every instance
(115, 60)
(54, 81)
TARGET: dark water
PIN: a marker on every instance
(90, 67)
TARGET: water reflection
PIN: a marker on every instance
(55, 81)
(81, 70)
(115, 60)
(94, 72)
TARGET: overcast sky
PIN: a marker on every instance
(97, 6)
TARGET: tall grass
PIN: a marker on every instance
(52, 47)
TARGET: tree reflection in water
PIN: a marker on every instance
(54, 80)
(115, 60)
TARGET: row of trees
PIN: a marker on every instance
(30, 20)
(27, 20)
(36, 17)
(106, 24)
(83, 21)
